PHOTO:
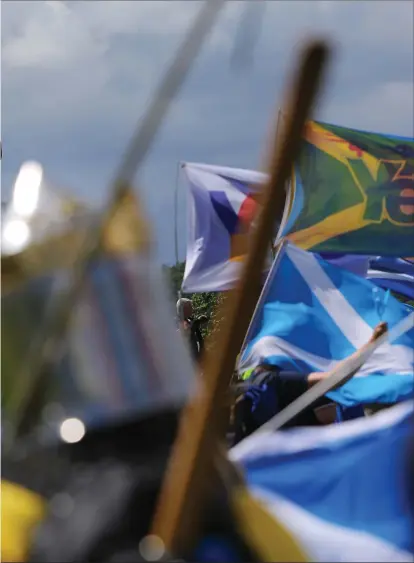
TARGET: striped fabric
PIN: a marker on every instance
(124, 352)
(395, 274)
(122, 356)
(340, 490)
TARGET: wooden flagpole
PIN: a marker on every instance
(202, 426)
(278, 138)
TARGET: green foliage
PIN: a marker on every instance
(205, 304)
(174, 276)
(208, 303)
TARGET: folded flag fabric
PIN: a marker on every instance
(395, 274)
(123, 355)
(312, 314)
(341, 490)
(222, 204)
(358, 264)
(396, 265)
(402, 284)
(352, 191)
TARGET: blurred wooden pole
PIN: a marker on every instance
(183, 494)
(278, 136)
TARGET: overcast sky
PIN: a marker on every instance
(77, 76)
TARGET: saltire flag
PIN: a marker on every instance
(396, 265)
(358, 264)
(222, 205)
(312, 314)
(342, 490)
(352, 192)
(395, 274)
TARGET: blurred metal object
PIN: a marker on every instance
(36, 211)
(42, 228)
(15, 232)
(110, 368)
(50, 334)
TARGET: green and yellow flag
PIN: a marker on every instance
(352, 192)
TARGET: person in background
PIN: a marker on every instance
(191, 327)
(268, 391)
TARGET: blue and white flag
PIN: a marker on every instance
(402, 284)
(340, 490)
(312, 314)
(356, 263)
(222, 205)
(389, 264)
(395, 274)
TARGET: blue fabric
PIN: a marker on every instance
(402, 287)
(349, 413)
(264, 402)
(356, 480)
(293, 327)
(214, 549)
(358, 264)
(389, 264)
(272, 395)
(395, 274)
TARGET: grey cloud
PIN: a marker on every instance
(75, 109)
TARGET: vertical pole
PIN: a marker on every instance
(278, 131)
(177, 184)
(191, 470)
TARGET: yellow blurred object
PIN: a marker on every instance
(21, 511)
(269, 539)
(126, 232)
(71, 206)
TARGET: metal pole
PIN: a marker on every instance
(177, 183)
